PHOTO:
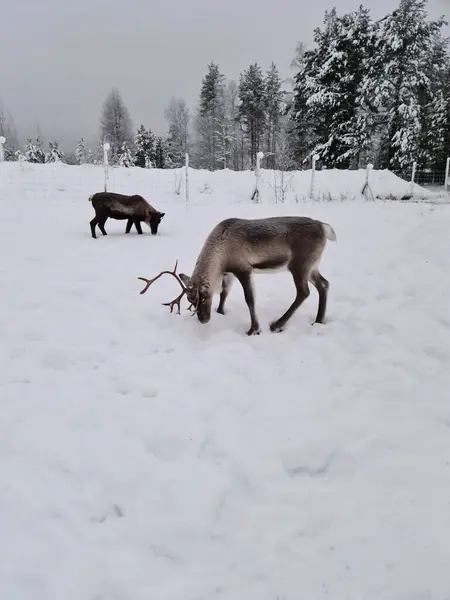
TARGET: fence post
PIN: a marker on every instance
(367, 183)
(187, 178)
(256, 194)
(2, 150)
(447, 169)
(106, 147)
(413, 176)
(315, 158)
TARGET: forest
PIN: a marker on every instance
(366, 91)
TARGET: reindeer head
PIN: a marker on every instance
(200, 296)
(154, 221)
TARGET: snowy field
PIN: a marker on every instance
(64, 182)
(144, 456)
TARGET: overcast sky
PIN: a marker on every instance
(59, 59)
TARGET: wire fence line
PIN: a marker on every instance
(193, 186)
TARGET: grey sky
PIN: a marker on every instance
(59, 59)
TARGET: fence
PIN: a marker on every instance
(187, 186)
(438, 180)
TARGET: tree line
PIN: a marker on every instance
(367, 91)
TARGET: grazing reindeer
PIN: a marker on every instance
(239, 247)
(120, 206)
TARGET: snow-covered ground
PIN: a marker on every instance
(144, 456)
(57, 180)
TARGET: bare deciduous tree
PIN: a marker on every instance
(9, 131)
(177, 115)
(115, 124)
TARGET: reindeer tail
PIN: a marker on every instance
(329, 232)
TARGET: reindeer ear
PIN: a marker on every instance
(186, 280)
(161, 215)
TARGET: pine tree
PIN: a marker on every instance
(435, 139)
(436, 136)
(144, 143)
(331, 93)
(177, 115)
(160, 159)
(300, 116)
(33, 152)
(115, 124)
(313, 110)
(125, 156)
(274, 98)
(83, 155)
(252, 107)
(210, 122)
(398, 74)
(54, 154)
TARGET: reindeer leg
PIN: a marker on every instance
(137, 224)
(301, 283)
(322, 286)
(246, 282)
(129, 226)
(101, 224)
(93, 223)
(227, 282)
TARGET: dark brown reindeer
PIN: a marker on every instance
(236, 248)
(135, 209)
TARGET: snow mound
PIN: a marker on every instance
(205, 187)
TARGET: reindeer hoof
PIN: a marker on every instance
(276, 328)
(254, 331)
(221, 311)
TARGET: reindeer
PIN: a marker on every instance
(120, 206)
(237, 248)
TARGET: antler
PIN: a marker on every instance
(177, 300)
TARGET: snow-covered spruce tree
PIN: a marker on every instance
(311, 121)
(274, 100)
(125, 157)
(54, 154)
(435, 139)
(301, 129)
(342, 122)
(33, 152)
(252, 108)
(177, 115)
(210, 126)
(160, 159)
(144, 145)
(399, 83)
(115, 124)
(83, 155)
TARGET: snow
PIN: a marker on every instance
(205, 187)
(146, 456)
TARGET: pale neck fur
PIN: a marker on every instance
(209, 266)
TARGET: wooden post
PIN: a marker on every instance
(106, 147)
